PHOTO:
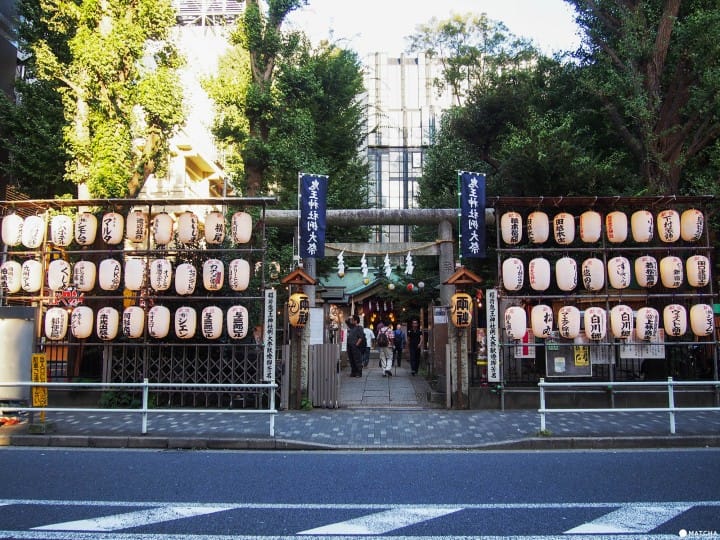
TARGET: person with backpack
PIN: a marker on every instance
(398, 344)
(384, 343)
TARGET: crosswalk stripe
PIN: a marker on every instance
(382, 522)
(630, 519)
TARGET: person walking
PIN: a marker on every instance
(369, 337)
(398, 344)
(384, 344)
(355, 347)
(414, 343)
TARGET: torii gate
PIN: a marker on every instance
(443, 249)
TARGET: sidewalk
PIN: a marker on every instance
(379, 413)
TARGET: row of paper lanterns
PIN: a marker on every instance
(670, 224)
(670, 271)
(131, 322)
(623, 322)
(113, 228)
(158, 273)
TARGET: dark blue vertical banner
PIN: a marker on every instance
(313, 197)
(472, 214)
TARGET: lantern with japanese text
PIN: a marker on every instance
(160, 274)
(12, 226)
(58, 275)
(136, 226)
(564, 228)
(84, 274)
(616, 227)
(213, 274)
(541, 321)
(621, 321)
(56, 323)
(109, 274)
(668, 225)
(539, 274)
(112, 228)
(513, 274)
(214, 228)
(241, 227)
(86, 225)
(593, 274)
(671, 272)
(107, 323)
(185, 279)
(538, 227)
(619, 272)
(61, 230)
(646, 271)
(10, 273)
(698, 270)
(461, 306)
(158, 322)
(595, 323)
(515, 322)
(641, 226)
(702, 320)
(675, 320)
(185, 322)
(569, 322)
(33, 232)
(590, 226)
(238, 274)
(81, 322)
(298, 309)
(566, 273)
(647, 323)
(162, 228)
(237, 322)
(135, 274)
(511, 227)
(188, 227)
(133, 321)
(31, 276)
(692, 224)
(211, 322)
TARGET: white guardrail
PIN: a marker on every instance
(670, 384)
(144, 409)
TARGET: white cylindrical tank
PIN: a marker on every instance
(590, 226)
(112, 228)
(107, 323)
(239, 274)
(675, 320)
(241, 227)
(61, 230)
(185, 279)
(56, 323)
(671, 272)
(237, 322)
(642, 225)
(158, 322)
(81, 322)
(515, 322)
(511, 228)
(569, 322)
(133, 321)
(86, 225)
(621, 321)
(668, 225)
(646, 271)
(619, 272)
(513, 274)
(616, 227)
(541, 321)
(110, 273)
(539, 274)
(214, 228)
(84, 275)
(185, 322)
(566, 273)
(538, 227)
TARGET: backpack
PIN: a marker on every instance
(382, 339)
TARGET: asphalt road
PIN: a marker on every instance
(148, 495)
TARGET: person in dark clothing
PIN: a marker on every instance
(414, 343)
(398, 344)
(355, 347)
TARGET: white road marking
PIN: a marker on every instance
(631, 519)
(383, 522)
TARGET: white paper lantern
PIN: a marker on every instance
(214, 228)
(211, 322)
(595, 323)
(185, 279)
(621, 321)
(668, 225)
(84, 275)
(241, 227)
(237, 322)
(511, 228)
(692, 224)
(702, 321)
(569, 322)
(698, 270)
(86, 225)
(61, 230)
(112, 228)
(188, 228)
(109, 274)
(33, 232)
(56, 323)
(641, 225)
(564, 228)
(541, 321)
(646, 271)
(675, 320)
(213, 274)
(647, 323)
(135, 274)
(619, 272)
(162, 228)
(59, 275)
(590, 226)
(185, 322)
(107, 323)
(31, 276)
(539, 274)
(671, 272)
(160, 274)
(513, 274)
(133, 322)
(593, 274)
(136, 227)
(11, 274)
(538, 227)
(81, 322)
(515, 322)
(239, 274)
(616, 227)
(566, 273)
(158, 322)
(12, 226)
